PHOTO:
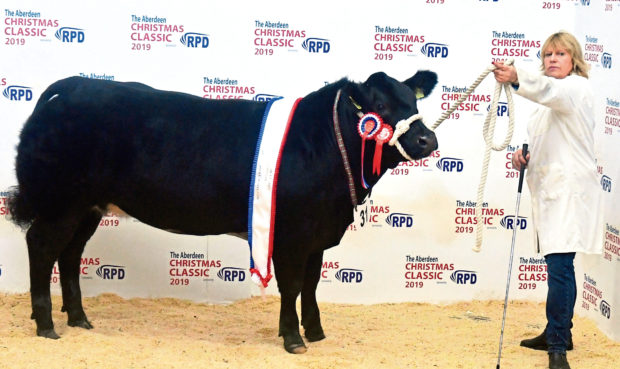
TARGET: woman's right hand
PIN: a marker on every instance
(518, 160)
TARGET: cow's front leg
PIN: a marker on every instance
(310, 314)
(289, 324)
(290, 281)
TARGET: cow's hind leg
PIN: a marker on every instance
(46, 240)
(310, 314)
(290, 281)
(69, 265)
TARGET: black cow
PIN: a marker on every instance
(172, 160)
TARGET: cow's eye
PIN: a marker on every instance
(380, 107)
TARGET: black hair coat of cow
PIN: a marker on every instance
(172, 160)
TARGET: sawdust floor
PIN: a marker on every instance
(171, 333)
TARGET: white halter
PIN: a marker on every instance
(402, 127)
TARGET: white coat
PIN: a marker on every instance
(561, 174)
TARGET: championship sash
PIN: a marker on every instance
(262, 207)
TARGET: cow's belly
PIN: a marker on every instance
(198, 218)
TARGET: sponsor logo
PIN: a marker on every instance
(225, 88)
(532, 271)
(585, 2)
(346, 275)
(594, 50)
(425, 268)
(591, 294)
(104, 76)
(316, 45)
(464, 277)
(264, 97)
(326, 268)
(435, 50)
(606, 183)
(195, 40)
(606, 60)
(70, 34)
(18, 93)
(512, 44)
(230, 274)
(508, 222)
(111, 272)
(605, 309)
(398, 220)
(502, 109)
(450, 164)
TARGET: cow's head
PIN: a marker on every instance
(396, 101)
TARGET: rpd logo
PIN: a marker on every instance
(111, 272)
(18, 93)
(585, 2)
(508, 222)
(195, 40)
(606, 183)
(264, 97)
(450, 164)
(434, 50)
(397, 220)
(605, 309)
(606, 60)
(502, 109)
(464, 277)
(349, 275)
(230, 274)
(316, 45)
(70, 34)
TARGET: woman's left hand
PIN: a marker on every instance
(505, 73)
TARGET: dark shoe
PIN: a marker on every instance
(558, 361)
(540, 343)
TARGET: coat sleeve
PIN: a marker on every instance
(557, 94)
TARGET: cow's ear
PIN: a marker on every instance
(422, 83)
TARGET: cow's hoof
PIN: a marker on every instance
(315, 335)
(296, 348)
(48, 333)
(83, 323)
(295, 345)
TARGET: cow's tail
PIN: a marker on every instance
(54, 89)
(20, 211)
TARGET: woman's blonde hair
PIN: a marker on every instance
(566, 41)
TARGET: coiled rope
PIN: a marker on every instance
(488, 133)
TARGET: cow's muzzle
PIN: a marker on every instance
(426, 142)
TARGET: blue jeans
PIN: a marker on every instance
(561, 297)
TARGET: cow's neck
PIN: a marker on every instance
(349, 146)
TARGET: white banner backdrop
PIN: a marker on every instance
(253, 50)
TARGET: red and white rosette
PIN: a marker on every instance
(367, 127)
(384, 135)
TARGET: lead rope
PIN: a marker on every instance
(488, 132)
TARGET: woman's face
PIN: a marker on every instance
(558, 62)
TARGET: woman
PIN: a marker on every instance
(562, 178)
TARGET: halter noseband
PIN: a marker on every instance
(402, 127)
